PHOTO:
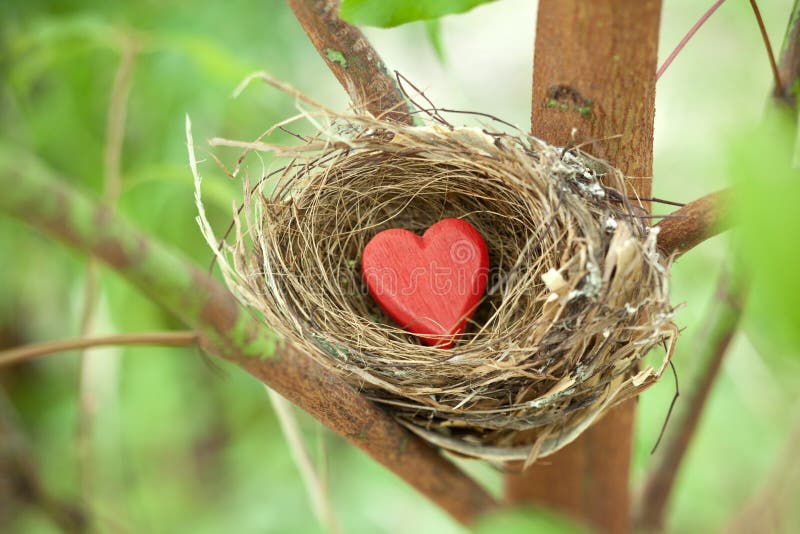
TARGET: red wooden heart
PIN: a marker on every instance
(429, 285)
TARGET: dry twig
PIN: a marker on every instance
(694, 223)
(36, 350)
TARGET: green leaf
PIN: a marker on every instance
(525, 521)
(766, 204)
(433, 29)
(388, 13)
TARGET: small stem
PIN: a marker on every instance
(720, 326)
(317, 492)
(96, 378)
(694, 223)
(773, 65)
(116, 119)
(36, 350)
(687, 37)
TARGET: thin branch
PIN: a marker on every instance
(117, 113)
(694, 223)
(778, 91)
(96, 378)
(36, 350)
(720, 326)
(693, 30)
(225, 329)
(352, 59)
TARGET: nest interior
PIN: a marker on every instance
(577, 293)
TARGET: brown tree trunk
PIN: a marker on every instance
(594, 83)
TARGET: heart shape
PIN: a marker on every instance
(429, 285)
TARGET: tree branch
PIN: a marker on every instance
(594, 79)
(686, 38)
(94, 380)
(352, 59)
(721, 324)
(226, 330)
(35, 350)
(694, 223)
(698, 221)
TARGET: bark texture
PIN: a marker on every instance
(694, 223)
(351, 58)
(594, 84)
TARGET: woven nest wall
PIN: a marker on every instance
(577, 294)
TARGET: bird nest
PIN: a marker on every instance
(577, 294)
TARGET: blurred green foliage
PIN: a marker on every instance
(763, 167)
(179, 446)
(388, 13)
(526, 522)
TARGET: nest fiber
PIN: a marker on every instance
(577, 294)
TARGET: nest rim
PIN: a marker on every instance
(349, 151)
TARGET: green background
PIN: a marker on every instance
(183, 446)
